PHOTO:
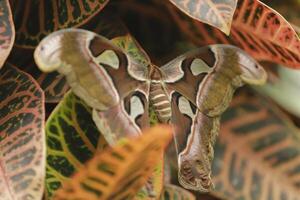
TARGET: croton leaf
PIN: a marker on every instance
(53, 84)
(257, 155)
(171, 192)
(288, 8)
(7, 31)
(216, 13)
(72, 139)
(22, 148)
(119, 172)
(256, 28)
(132, 48)
(36, 19)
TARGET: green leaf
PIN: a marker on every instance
(215, 13)
(132, 48)
(7, 31)
(22, 147)
(118, 172)
(72, 139)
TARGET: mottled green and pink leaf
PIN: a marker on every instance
(215, 13)
(22, 140)
(7, 31)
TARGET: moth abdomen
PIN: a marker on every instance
(160, 102)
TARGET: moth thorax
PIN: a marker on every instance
(160, 102)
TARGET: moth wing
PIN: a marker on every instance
(194, 135)
(186, 73)
(98, 71)
(208, 76)
(127, 118)
(195, 132)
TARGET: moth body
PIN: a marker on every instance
(119, 82)
(160, 102)
(158, 96)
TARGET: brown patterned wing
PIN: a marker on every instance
(200, 85)
(110, 76)
(195, 134)
(208, 76)
(125, 119)
(98, 71)
(131, 114)
(7, 31)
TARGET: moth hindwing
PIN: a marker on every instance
(117, 79)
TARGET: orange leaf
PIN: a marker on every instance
(118, 172)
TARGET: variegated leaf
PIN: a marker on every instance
(36, 19)
(257, 155)
(7, 31)
(256, 28)
(216, 13)
(288, 8)
(72, 139)
(128, 44)
(53, 84)
(46, 17)
(22, 147)
(118, 173)
(171, 192)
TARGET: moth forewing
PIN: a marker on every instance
(118, 81)
(204, 83)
